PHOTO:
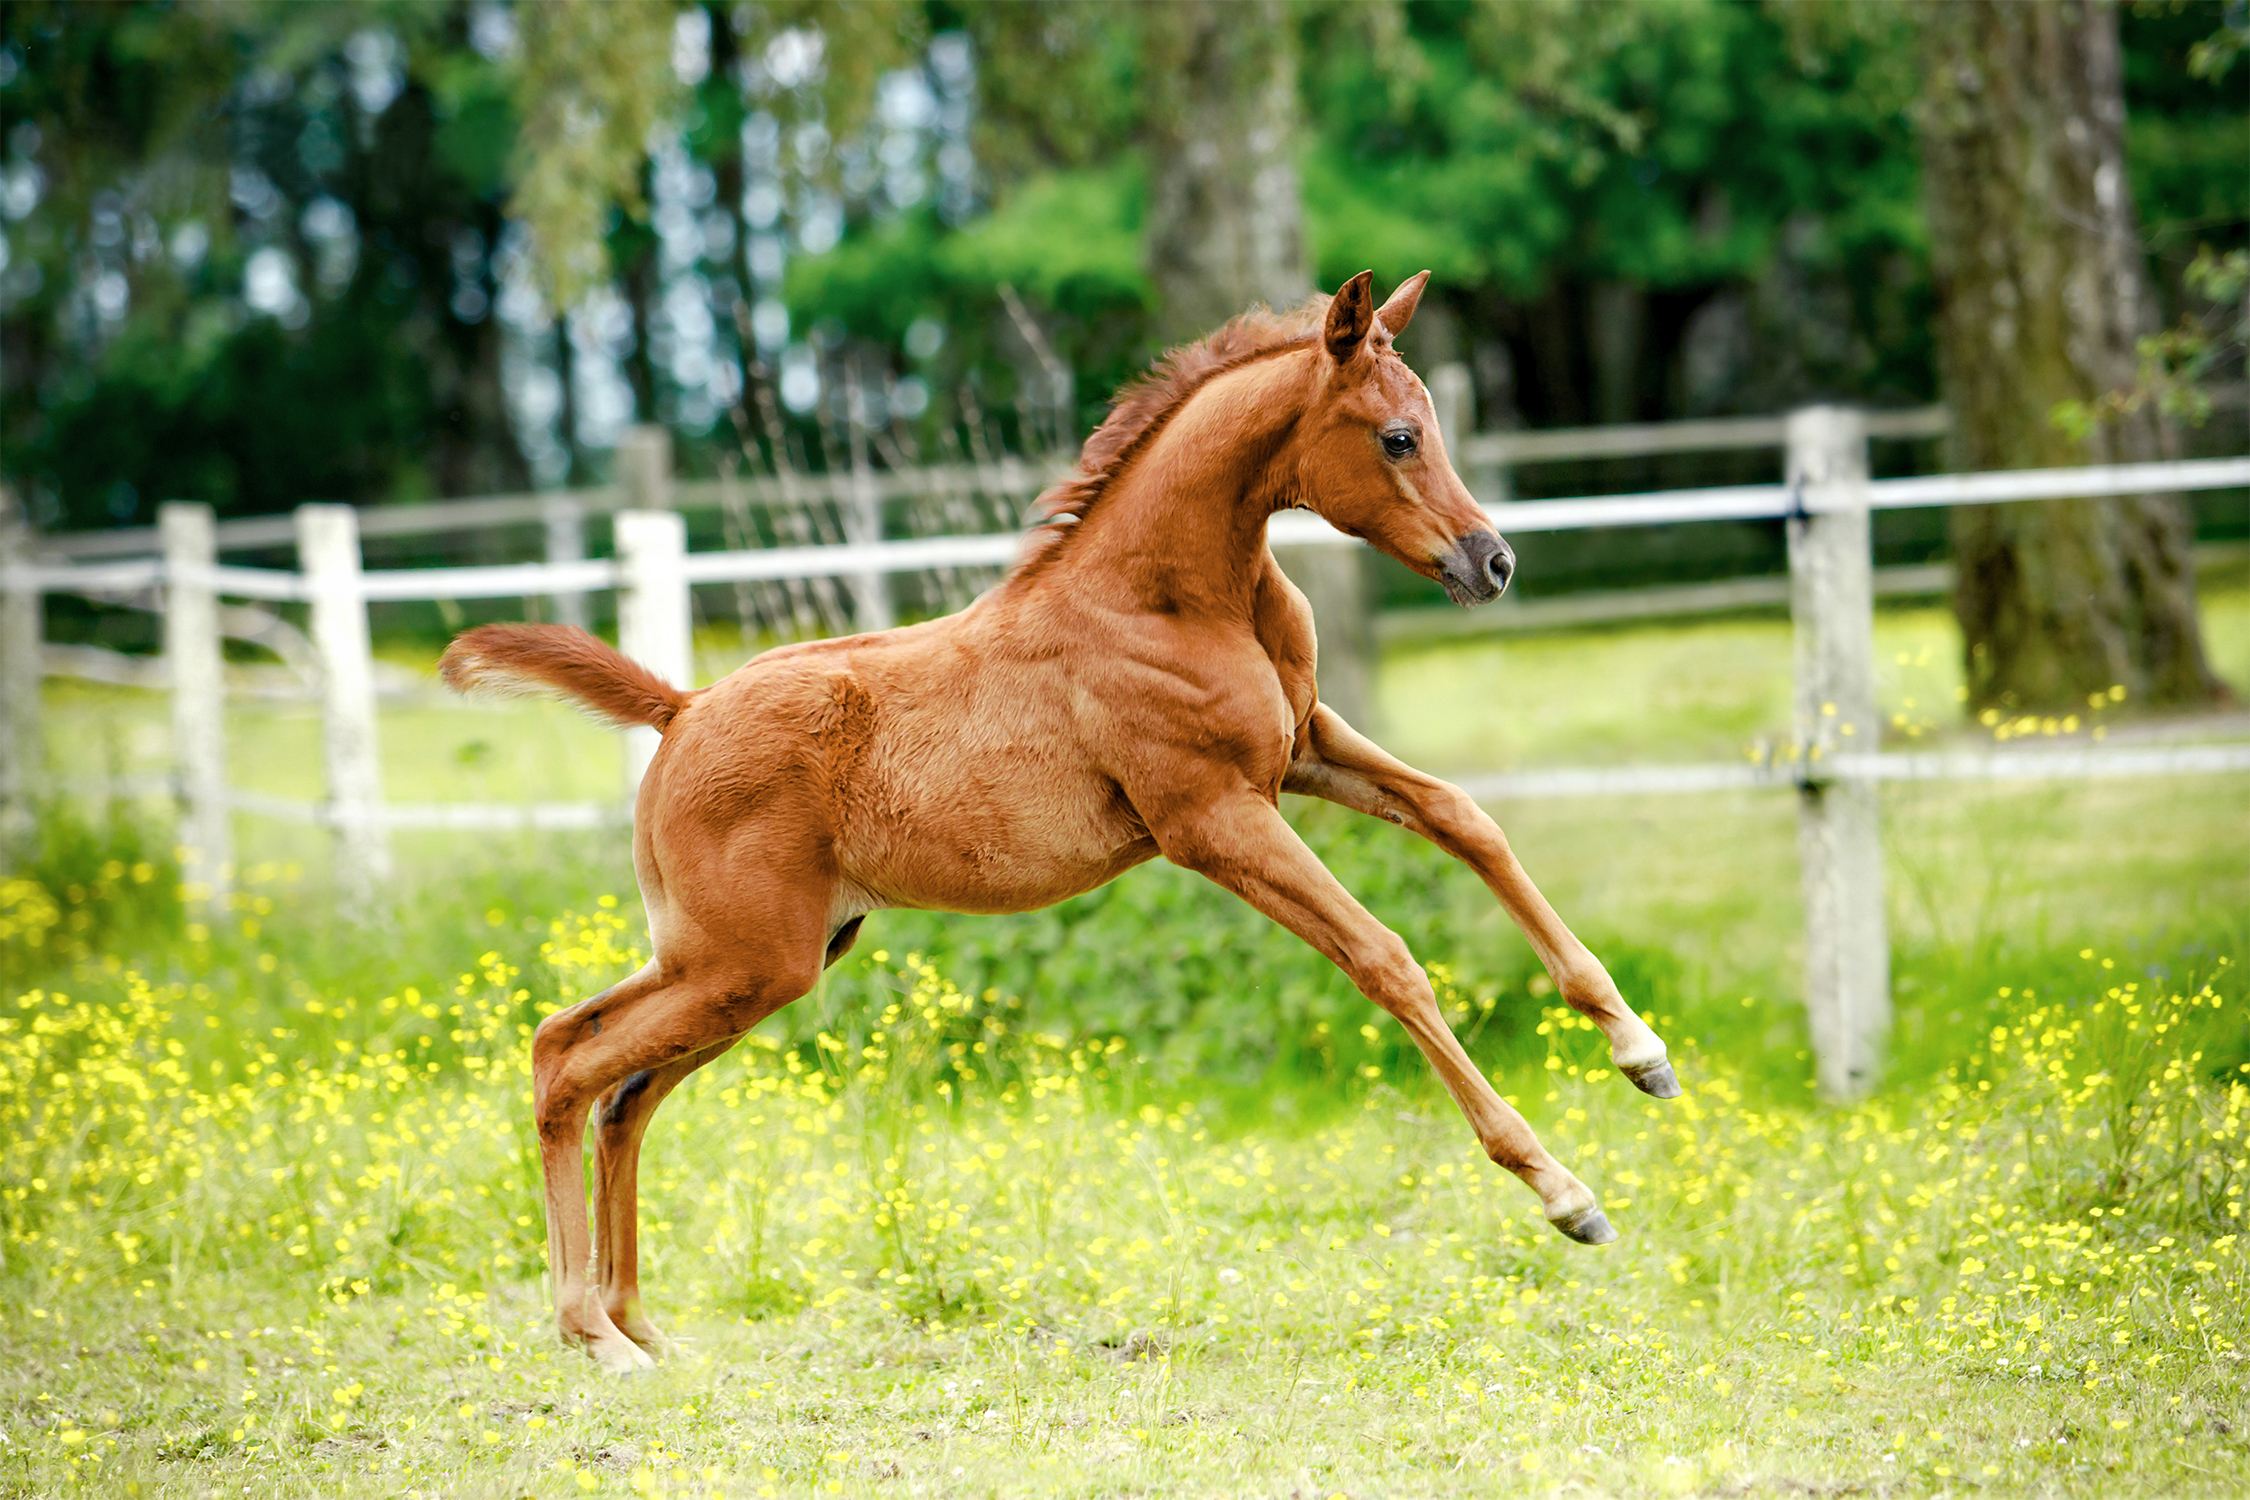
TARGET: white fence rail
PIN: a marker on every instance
(1826, 500)
(569, 508)
(1764, 502)
(2053, 763)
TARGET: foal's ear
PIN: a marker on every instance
(1399, 311)
(1351, 316)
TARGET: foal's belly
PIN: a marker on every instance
(937, 882)
(976, 836)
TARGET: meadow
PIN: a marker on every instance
(1132, 1198)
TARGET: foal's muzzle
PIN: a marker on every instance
(1477, 568)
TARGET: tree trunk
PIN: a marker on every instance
(638, 278)
(566, 419)
(1225, 222)
(2042, 294)
(473, 450)
(1226, 229)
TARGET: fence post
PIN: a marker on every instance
(22, 746)
(863, 516)
(328, 551)
(644, 467)
(193, 654)
(653, 623)
(1454, 395)
(565, 522)
(1839, 835)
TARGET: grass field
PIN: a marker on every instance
(1152, 1204)
(930, 1252)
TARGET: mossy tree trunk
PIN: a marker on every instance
(2042, 294)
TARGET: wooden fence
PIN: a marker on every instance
(848, 505)
(1833, 762)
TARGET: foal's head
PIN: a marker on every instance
(1372, 462)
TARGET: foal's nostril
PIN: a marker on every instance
(1501, 566)
(1478, 567)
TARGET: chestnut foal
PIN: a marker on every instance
(1140, 684)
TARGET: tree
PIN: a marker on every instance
(1632, 212)
(283, 223)
(1225, 216)
(2042, 298)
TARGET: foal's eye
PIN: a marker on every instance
(1398, 443)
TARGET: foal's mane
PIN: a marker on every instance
(1151, 399)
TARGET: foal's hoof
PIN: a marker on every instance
(652, 1340)
(619, 1355)
(1588, 1226)
(1656, 1078)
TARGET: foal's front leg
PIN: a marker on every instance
(1243, 843)
(1340, 764)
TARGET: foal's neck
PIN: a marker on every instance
(1183, 529)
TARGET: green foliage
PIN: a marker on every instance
(1540, 157)
(1069, 241)
(1205, 985)
(175, 143)
(2215, 54)
(593, 81)
(2184, 140)
(1667, 144)
(2175, 365)
(1058, 83)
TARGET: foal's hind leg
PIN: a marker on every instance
(620, 1121)
(620, 1124)
(568, 1068)
(660, 1017)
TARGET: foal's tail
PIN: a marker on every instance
(560, 659)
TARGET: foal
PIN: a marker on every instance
(1140, 684)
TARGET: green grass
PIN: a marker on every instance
(1689, 690)
(936, 1254)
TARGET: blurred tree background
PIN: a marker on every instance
(260, 253)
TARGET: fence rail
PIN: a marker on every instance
(1646, 439)
(1826, 500)
(1763, 502)
(1006, 476)
(1011, 477)
(2058, 763)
